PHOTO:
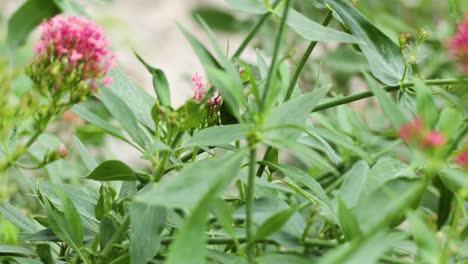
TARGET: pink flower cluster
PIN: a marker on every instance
(415, 131)
(459, 44)
(200, 90)
(80, 44)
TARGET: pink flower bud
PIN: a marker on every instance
(435, 139)
(62, 151)
(462, 159)
(411, 130)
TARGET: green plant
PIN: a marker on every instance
(205, 196)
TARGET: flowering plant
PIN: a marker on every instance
(266, 162)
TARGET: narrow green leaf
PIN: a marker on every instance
(313, 31)
(274, 223)
(146, 224)
(160, 83)
(348, 222)
(14, 250)
(88, 160)
(248, 6)
(367, 250)
(120, 110)
(26, 18)
(391, 201)
(113, 170)
(292, 113)
(450, 121)
(90, 117)
(389, 107)
(277, 258)
(193, 182)
(383, 55)
(353, 183)
(136, 98)
(107, 229)
(18, 219)
(429, 249)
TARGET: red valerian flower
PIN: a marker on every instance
(411, 130)
(415, 132)
(458, 45)
(435, 139)
(201, 89)
(75, 52)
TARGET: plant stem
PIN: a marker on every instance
(304, 60)
(162, 167)
(250, 200)
(122, 229)
(367, 94)
(274, 66)
(253, 32)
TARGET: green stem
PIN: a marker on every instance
(253, 32)
(122, 229)
(367, 94)
(162, 167)
(274, 66)
(304, 60)
(250, 200)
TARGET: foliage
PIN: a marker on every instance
(333, 186)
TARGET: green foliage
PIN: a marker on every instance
(335, 185)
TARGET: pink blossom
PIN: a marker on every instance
(462, 159)
(435, 139)
(77, 43)
(409, 131)
(201, 89)
(458, 45)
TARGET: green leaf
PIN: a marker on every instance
(367, 250)
(292, 113)
(136, 98)
(429, 249)
(274, 223)
(113, 170)
(389, 107)
(353, 183)
(189, 246)
(450, 121)
(391, 201)
(303, 178)
(14, 250)
(218, 135)
(425, 104)
(348, 222)
(107, 229)
(66, 224)
(43, 251)
(18, 219)
(122, 112)
(383, 55)
(26, 18)
(313, 31)
(202, 52)
(160, 83)
(88, 160)
(248, 6)
(223, 212)
(193, 182)
(90, 117)
(146, 224)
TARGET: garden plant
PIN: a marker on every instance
(271, 161)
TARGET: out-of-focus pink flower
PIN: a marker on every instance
(201, 89)
(79, 45)
(412, 130)
(435, 139)
(458, 45)
(462, 159)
